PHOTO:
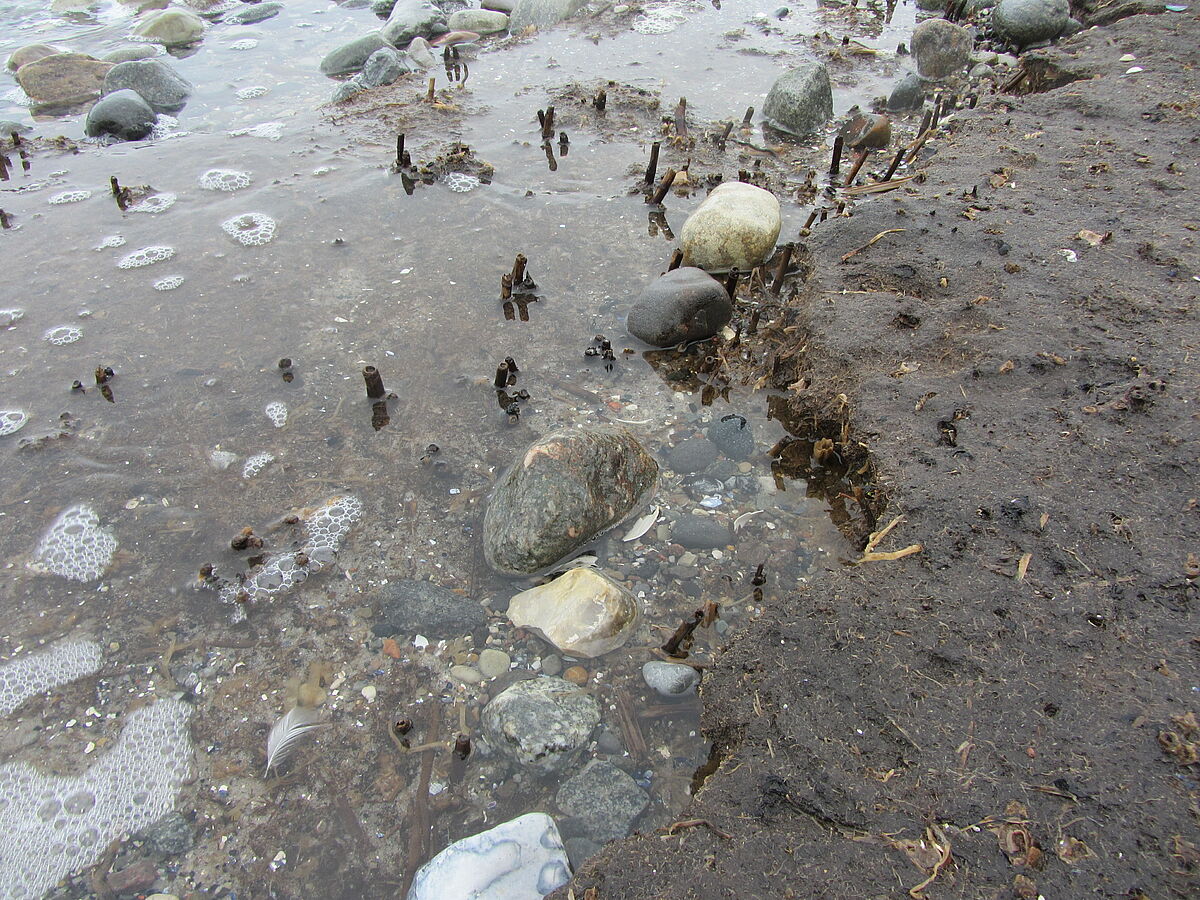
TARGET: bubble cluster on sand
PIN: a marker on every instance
(658, 20)
(166, 127)
(256, 464)
(272, 131)
(37, 673)
(169, 283)
(54, 824)
(145, 256)
(277, 412)
(249, 93)
(325, 527)
(155, 203)
(461, 183)
(75, 546)
(12, 421)
(110, 242)
(62, 335)
(224, 180)
(69, 197)
(250, 229)
(244, 44)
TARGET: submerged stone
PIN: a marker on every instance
(522, 859)
(566, 488)
(603, 799)
(542, 723)
(422, 607)
(352, 55)
(582, 612)
(259, 12)
(65, 79)
(908, 94)
(480, 21)
(382, 67)
(171, 28)
(542, 13)
(670, 679)
(163, 89)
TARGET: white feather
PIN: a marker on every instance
(642, 525)
(287, 733)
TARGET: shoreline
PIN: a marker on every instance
(1009, 711)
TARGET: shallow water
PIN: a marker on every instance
(359, 272)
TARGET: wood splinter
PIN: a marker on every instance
(683, 635)
(663, 186)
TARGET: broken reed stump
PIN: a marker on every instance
(374, 382)
(547, 120)
(505, 286)
(680, 118)
(429, 94)
(676, 260)
(399, 151)
(676, 646)
(894, 165)
(731, 282)
(4, 219)
(785, 259)
(859, 159)
(663, 186)
(652, 166)
(518, 269)
(724, 137)
(836, 162)
(748, 117)
(600, 101)
(4, 164)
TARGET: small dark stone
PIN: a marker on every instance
(134, 878)
(700, 533)
(123, 114)
(692, 455)
(732, 436)
(422, 607)
(909, 93)
(171, 835)
(686, 304)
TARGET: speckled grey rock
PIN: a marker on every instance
(422, 607)
(171, 835)
(603, 800)
(1025, 22)
(382, 67)
(700, 533)
(31, 53)
(542, 13)
(941, 48)
(421, 53)
(480, 21)
(413, 18)
(580, 850)
(259, 12)
(122, 114)
(163, 89)
(171, 27)
(382, 8)
(691, 456)
(504, 6)
(732, 435)
(62, 80)
(909, 93)
(670, 679)
(686, 304)
(350, 56)
(801, 100)
(542, 723)
(563, 491)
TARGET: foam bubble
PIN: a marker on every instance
(12, 421)
(145, 256)
(461, 183)
(75, 546)
(244, 44)
(169, 283)
(250, 229)
(166, 127)
(256, 464)
(249, 93)
(224, 180)
(113, 240)
(277, 412)
(69, 197)
(658, 21)
(272, 131)
(155, 203)
(54, 824)
(325, 527)
(63, 335)
(37, 673)
(11, 316)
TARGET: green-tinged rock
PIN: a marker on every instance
(562, 492)
(31, 53)
(171, 28)
(480, 21)
(801, 100)
(353, 55)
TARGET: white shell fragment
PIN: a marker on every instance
(642, 525)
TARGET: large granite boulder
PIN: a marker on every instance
(942, 48)
(31, 53)
(542, 723)
(171, 28)
(351, 56)
(480, 21)
(566, 488)
(413, 18)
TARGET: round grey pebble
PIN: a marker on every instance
(733, 436)
(701, 533)
(692, 455)
(670, 679)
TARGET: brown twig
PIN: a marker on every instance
(848, 256)
(675, 827)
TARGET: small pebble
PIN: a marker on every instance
(551, 665)
(576, 675)
(493, 663)
(466, 674)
